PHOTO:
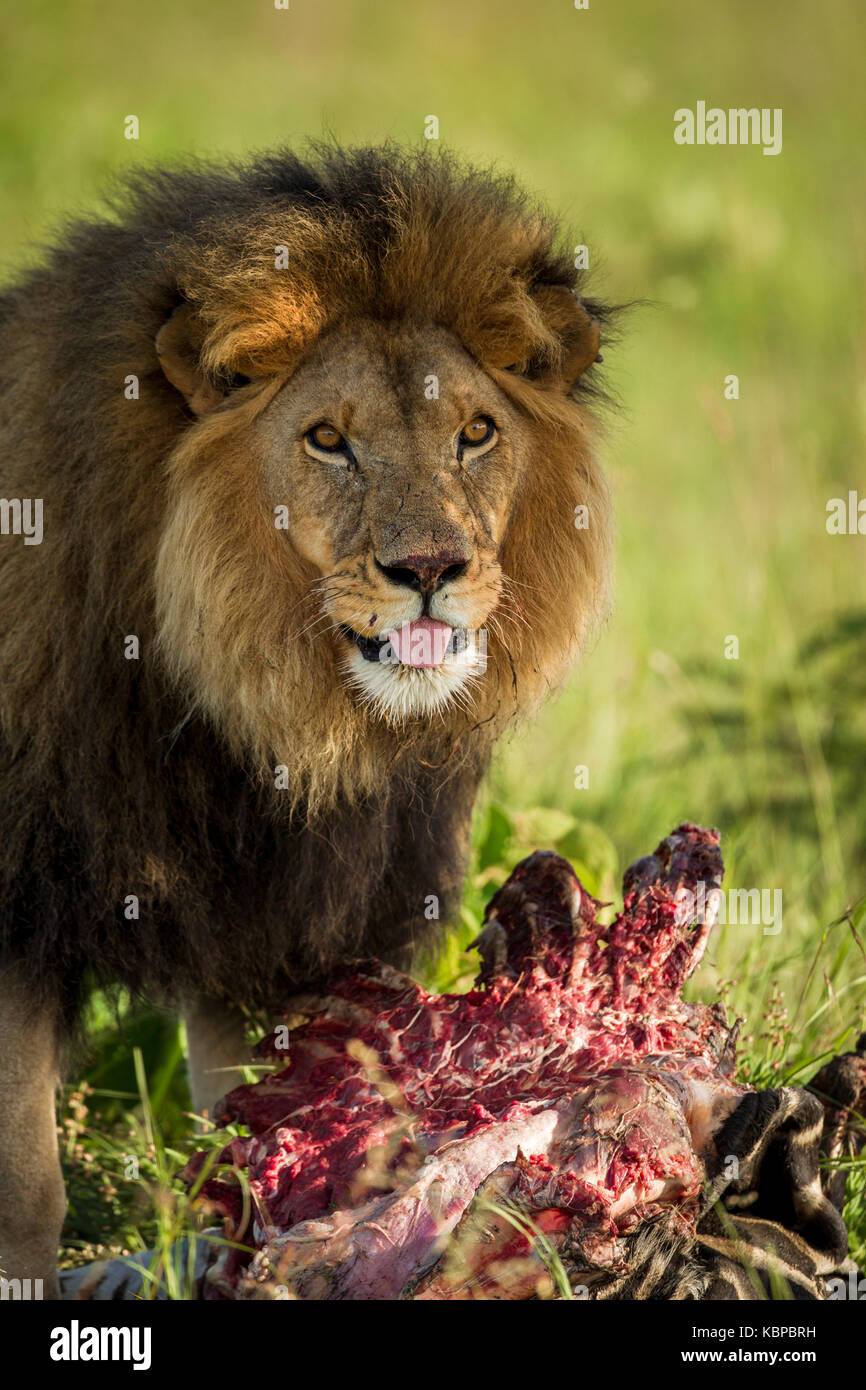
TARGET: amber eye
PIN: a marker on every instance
(325, 437)
(479, 431)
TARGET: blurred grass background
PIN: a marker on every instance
(753, 265)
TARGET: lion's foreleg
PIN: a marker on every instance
(32, 1197)
(216, 1049)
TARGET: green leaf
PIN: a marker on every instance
(498, 832)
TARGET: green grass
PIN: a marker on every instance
(750, 265)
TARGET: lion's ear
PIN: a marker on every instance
(178, 347)
(578, 331)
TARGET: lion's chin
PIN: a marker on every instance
(397, 692)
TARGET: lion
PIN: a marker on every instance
(315, 443)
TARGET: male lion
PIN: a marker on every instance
(310, 442)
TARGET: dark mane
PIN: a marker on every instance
(109, 786)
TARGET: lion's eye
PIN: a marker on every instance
(479, 431)
(325, 437)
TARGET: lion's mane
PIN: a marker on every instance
(152, 779)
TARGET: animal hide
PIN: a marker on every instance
(569, 1122)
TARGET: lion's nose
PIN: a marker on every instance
(427, 573)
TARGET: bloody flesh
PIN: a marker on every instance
(434, 1146)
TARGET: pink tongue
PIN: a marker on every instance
(421, 643)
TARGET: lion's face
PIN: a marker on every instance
(397, 460)
(385, 533)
